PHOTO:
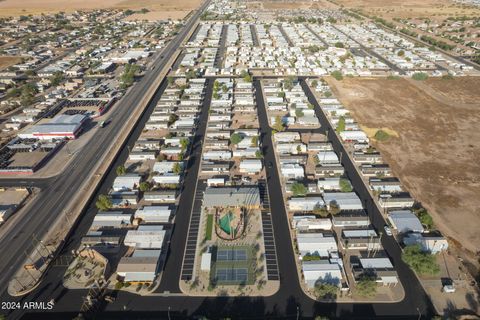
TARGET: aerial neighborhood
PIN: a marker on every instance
(238, 150)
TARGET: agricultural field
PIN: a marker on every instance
(432, 145)
(160, 8)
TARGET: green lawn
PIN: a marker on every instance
(208, 233)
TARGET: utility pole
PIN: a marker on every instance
(36, 248)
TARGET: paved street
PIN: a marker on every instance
(289, 302)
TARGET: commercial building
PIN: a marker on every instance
(60, 127)
(248, 196)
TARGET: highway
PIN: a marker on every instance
(58, 191)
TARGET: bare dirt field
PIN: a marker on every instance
(288, 5)
(158, 15)
(15, 7)
(410, 8)
(7, 61)
(438, 146)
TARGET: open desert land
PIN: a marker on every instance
(434, 144)
(411, 8)
(160, 9)
(7, 61)
(288, 5)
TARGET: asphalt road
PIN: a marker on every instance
(173, 266)
(57, 192)
(288, 302)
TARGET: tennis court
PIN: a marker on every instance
(233, 275)
(232, 265)
(232, 254)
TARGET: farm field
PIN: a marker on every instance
(434, 152)
(160, 8)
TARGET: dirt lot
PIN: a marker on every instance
(409, 8)
(292, 4)
(437, 143)
(15, 7)
(7, 61)
(158, 15)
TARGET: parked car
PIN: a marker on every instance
(388, 231)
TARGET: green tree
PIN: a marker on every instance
(236, 138)
(246, 76)
(103, 203)
(366, 286)
(339, 45)
(288, 83)
(278, 124)
(177, 168)
(340, 124)
(144, 186)
(321, 211)
(298, 189)
(254, 141)
(337, 75)
(172, 118)
(423, 263)
(57, 78)
(184, 143)
(27, 95)
(345, 185)
(14, 92)
(121, 170)
(325, 290)
(314, 83)
(425, 218)
(128, 76)
(334, 208)
(381, 135)
(258, 154)
(299, 113)
(420, 76)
